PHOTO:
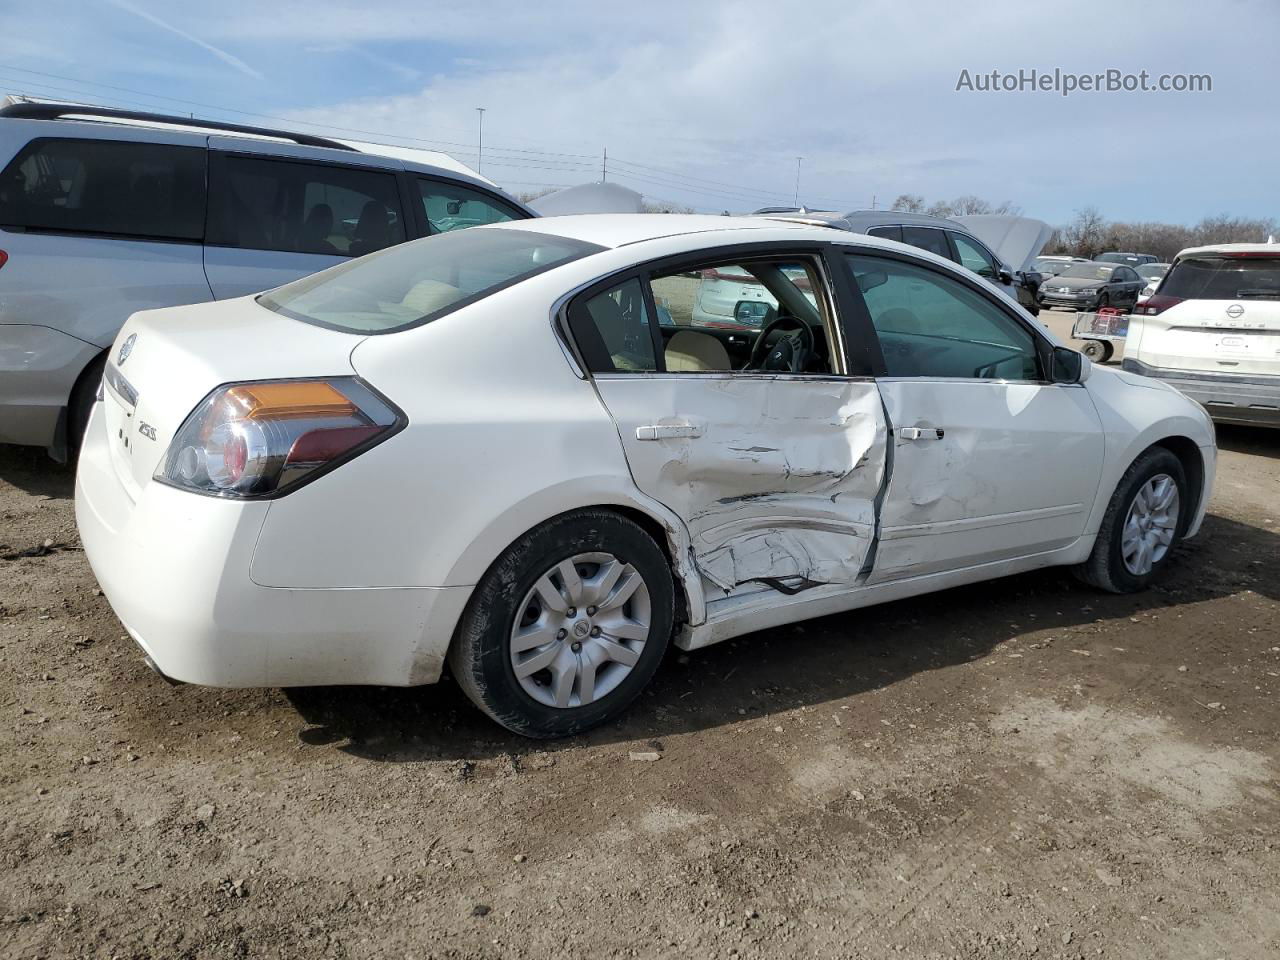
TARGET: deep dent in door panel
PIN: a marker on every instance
(741, 533)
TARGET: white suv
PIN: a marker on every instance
(1212, 330)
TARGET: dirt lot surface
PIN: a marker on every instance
(1023, 768)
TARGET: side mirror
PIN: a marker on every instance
(1070, 366)
(1005, 275)
(753, 313)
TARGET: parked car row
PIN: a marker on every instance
(1092, 285)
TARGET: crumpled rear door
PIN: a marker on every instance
(776, 477)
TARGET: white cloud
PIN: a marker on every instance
(218, 52)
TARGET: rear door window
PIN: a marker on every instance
(268, 204)
(150, 191)
(451, 206)
(928, 238)
(1224, 278)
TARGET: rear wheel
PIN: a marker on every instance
(1142, 522)
(568, 625)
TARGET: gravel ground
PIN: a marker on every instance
(1021, 768)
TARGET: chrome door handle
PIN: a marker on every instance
(920, 433)
(669, 431)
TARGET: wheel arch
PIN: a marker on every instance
(591, 493)
(1193, 465)
(63, 444)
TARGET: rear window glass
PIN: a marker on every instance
(414, 283)
(143, 190)
(1224, 278)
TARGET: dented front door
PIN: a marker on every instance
(775, 476)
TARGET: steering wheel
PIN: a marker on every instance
(791, 353)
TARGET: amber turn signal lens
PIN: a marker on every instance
(289, 399)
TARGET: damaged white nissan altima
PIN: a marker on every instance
(513, 450)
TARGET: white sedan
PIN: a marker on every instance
(489, 449)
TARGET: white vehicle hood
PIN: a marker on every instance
(1015, 240)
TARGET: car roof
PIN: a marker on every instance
(1232, 248)
(621, 229)
(65, 116)
(860, 220)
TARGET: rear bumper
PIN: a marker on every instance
(38, 369)
(175, 567)
(1227, 397)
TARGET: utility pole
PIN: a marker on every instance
(604, 165)
(873, 201)
(480, 148)
(798, 159)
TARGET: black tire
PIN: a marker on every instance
(1103, 301)
(1108, 350)
(1095, 350)
(1105, 568)
(480, 657)
(83, 397)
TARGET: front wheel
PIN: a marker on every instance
(568, 625)
(1145, 516)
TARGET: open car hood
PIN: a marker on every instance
(1015, 240)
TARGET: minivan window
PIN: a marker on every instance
(417, 282)
(1224, 278)
(451, 206)
(927, 238)
(152, 191)
(267, 204)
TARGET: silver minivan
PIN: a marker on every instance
(107, 212)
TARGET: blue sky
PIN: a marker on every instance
(709, 103)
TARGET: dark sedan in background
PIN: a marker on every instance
(1091, 286)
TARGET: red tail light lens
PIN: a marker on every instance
(251, 440)
(4, 258)
(1155, 304)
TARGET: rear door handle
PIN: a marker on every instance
(669, 431)
(920, 433)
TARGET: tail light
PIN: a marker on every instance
(262, 439)
(1157, 303)
(4, 258)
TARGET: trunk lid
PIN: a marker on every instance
(164, 362)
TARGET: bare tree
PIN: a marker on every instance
(908, 203)
(1084, 236)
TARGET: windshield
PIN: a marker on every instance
(1117, 257)
(1152, 271)
(1224, 278)
(1049, 265)
(1088, 271)
(414, 283)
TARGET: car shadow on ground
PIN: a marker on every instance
(31, 470)
(1254, 441)
(806, 664)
